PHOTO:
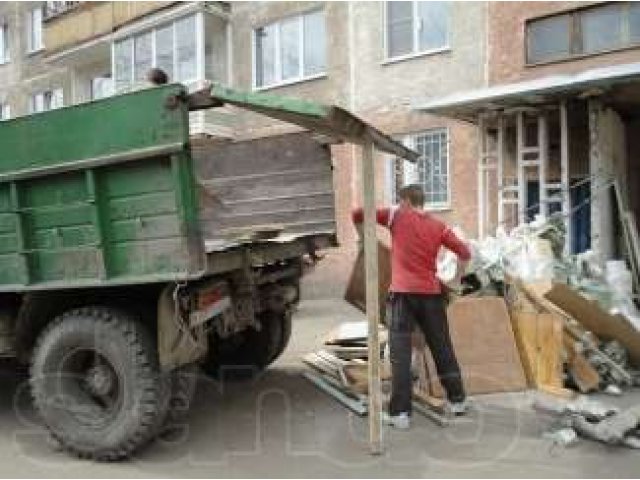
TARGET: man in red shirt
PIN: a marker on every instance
(416, 298)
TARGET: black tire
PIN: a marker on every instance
(284, 319)
(89, 416)
(248, 353)
(183, 384)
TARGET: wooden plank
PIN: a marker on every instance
(357, 375)
(373, 301)
(539, 338)
(604, 325)
(485, 346)
(586, 378)
(538, 335)
(330, 389)
(356, 288)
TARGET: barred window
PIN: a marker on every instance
(431, 170)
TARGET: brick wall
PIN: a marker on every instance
(507, 43)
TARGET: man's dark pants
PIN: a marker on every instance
(428, 312)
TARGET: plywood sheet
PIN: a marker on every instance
(356, 288)
(485, 346)
(596, 320)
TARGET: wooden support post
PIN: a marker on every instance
(564, 176)
(372, 303)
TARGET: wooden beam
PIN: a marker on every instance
(372, 303)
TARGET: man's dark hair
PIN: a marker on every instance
(157, 76)
(413, 194)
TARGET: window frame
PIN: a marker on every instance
(5, 52)
(416, 51)
(5, 107)
(299, 17)
(576, 46)
(31, 49)
(410, 141)
(102, 77)
(198, 54)
(47, 98)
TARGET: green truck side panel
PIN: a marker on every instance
(104, 193)
(105, 127)
(273, 102)
(65, 221)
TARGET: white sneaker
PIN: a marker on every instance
(458, 408)
(402, 421)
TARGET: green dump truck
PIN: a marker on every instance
(129, 254)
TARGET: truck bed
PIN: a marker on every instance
(274, 189)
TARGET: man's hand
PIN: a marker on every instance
(460, 271)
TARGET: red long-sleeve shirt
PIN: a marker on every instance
(416, 239)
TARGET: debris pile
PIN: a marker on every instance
(340, 369)
(576, 322)
(590, 419)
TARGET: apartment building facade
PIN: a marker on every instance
(27, 84)
(558, 124)
(374, 58)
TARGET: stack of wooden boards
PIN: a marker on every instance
(340, 368)
(558, 329)
(482, 336)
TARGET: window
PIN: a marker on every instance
(123, 63)
(171, 47)
(186, 63)
(431, 170)
(47, 100)
(5, 111)
(101, 87)
(34, 30)
(55, 8)
(585, 31)
(143, 56)
(290, 50)
(416, 27)
(4, 43)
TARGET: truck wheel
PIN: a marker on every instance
(249, 352)
(184, 381)
(96, 384)
(284, 319)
